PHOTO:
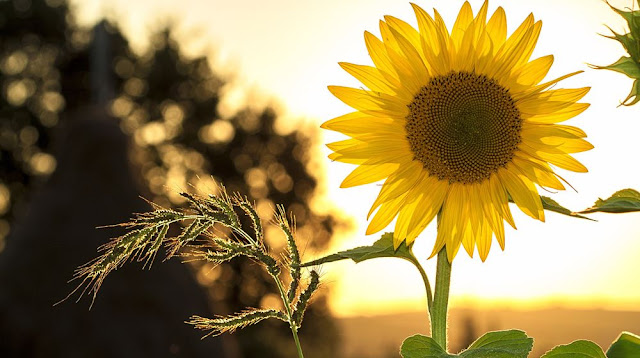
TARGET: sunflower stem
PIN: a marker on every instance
(441, 300)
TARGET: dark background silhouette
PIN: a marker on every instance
(86, 126)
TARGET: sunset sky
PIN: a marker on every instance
(285, 52)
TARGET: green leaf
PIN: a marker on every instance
(501, 344)
(552, 205)
(577, 349)
(627, 345)
(420, 346)
(623, 201)
(380, 248)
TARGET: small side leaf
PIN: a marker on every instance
(380, 248)
(552, 205)
(577, 349)
(627, 345)
(501, 344)
(623, 201)
(420, 346)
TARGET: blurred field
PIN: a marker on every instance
(380, 336)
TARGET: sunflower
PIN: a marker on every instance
(457, 124)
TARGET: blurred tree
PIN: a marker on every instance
(30, 103)
(168, 104)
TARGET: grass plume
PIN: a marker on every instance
(148, 233)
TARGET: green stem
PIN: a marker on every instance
(425, 280)
(292, 324)
(441, 299)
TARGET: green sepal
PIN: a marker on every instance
(629, 66)
(632, 17)
(628, 41)
(634, 95)
(420, 346)
(381, 248)
(622, 201)
(625, 65)
(627, 345)
(577, 349)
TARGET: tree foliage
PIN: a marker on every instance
(168, 104)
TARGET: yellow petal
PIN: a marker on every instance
(499, 199)
(443, 37)
(497, 28)
(343, 144)
(522, 191)
(512, 53)
(465, 16)
(378, 53)
(366, 174)
(385, 214)
(469, 239)
(386, 150)
(412, 71)
(483, 240)
(579, 133)
(372, 77)
(558, 116)
(399, 183)
(430, 203)
(550, 101)
(405, 215)
(358, 124)
(341, 158)
(430, 39)
(537, 173)
(451, 224)
(564, 161)
(405, 29)
(533, 72)
(376, 104)
(543, 86)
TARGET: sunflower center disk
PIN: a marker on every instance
(463, 127)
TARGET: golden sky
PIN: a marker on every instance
(287, 51)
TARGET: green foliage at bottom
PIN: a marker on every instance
(516, 344)
(577, 349)
(501, 344)
(626, 346)
(420, 346)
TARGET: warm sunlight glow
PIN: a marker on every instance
(562, 262)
